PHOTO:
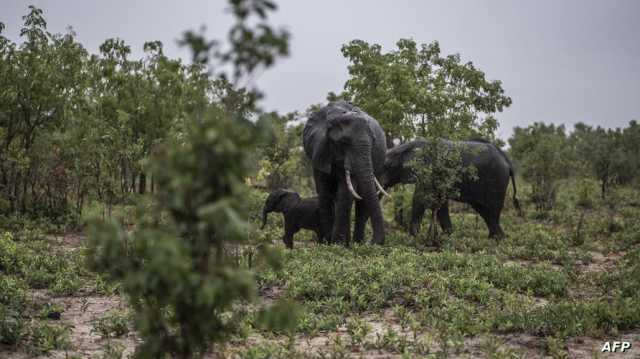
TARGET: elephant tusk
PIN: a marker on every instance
(350, 185)
(380, 187)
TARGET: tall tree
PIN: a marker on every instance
(543, 157)
(602, 152)
(179, 278)
(416, 91)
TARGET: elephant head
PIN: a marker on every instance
(278, 201)
(396, 168)
(347, 145)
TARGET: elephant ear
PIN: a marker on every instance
(398, 156)
(316, 143)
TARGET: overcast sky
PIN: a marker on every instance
(560, 61)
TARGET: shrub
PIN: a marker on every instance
(112, 325)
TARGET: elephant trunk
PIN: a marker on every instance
(364, 177)
(264, 217)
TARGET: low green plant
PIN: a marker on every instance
(112, 325)
(493, 348)
(45, 337)
(112, 350)
(556, 348)
(269, 350)
(13, 325)
(357, 330)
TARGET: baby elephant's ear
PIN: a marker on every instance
(282, 195)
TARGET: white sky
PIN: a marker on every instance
(560, 61)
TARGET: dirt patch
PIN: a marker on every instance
(70, 241)
(601, 263)
(81, 313)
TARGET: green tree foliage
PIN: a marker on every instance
(631, 144)
(283, 163)
(416, 91)
(179, 276)
(605, 153)
(76, 127)
(438, 168)
(179, 280)
(41, 83)
(545, 154)
(543, 157)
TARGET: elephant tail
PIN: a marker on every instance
(516, 203)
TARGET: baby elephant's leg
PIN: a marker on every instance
(290, 228)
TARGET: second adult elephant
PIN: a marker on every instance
(347, 149)
(485, 193)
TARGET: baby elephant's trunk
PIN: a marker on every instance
(265, 211)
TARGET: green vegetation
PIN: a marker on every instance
(131, 192)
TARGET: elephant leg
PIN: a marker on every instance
(361, 220)
(342, 217)
(491, 219)
(444, 219)
(289, 230)
(325, 187)
(418, 208)
(495, 230)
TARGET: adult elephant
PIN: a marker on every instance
(485, 193)
(347, 150)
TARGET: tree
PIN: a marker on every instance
(602, 152)
(43, 84)
(630, 143)
(178, 276)
(415, 91)
(282, 162)
(543, 157)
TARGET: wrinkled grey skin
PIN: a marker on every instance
(299, 213)
(338, 138)
(485, 194)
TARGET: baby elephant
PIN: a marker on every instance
(299, 213)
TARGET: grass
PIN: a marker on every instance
(568, 273)
(542, 280)
(30, 262)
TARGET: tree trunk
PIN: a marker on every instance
(24, 196)
(142, 183)
(132, 187)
